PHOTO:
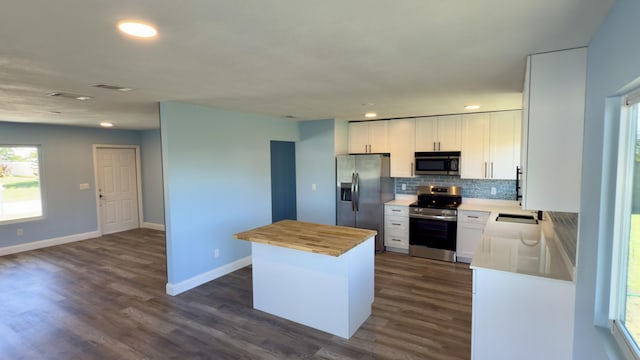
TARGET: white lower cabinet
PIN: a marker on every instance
(396, 228)
(516, 316)
(470, 227)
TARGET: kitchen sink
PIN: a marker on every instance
(517, 218)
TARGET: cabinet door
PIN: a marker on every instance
(475, 147)
(470, 227)
(426, 133)
(504, 148)
(402, 147)
(358, 138)
(555, 125)
(449, 133)
(379, 136)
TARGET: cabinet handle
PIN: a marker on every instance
(473, 217)
(396, 240)
(485, 169)
(365, 147)
(395, 210)
(396, 224)
(411, 169)
(438, 145)
(369, 147)
(492, 169)
(434, 146)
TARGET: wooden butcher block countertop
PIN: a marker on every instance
(310, 237)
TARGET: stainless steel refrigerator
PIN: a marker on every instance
(363, 186)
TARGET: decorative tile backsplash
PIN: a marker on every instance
(565, 225)
(473, 188)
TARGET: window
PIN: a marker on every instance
(20, 188)
(625, 301)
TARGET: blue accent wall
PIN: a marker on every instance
(316, 164)
(152, 193)
(66, 162)
(612, 68)
(216, 169)
(471, 188)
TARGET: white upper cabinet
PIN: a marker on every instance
(552, 130)
(438, 133)
(369, 137)
(449, 133)
(475, 146)
(402, 147)
(490, 145)
(504, 144)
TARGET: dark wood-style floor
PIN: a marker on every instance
(105, 299)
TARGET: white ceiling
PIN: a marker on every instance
(308, 59)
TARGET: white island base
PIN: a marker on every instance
(328, 293)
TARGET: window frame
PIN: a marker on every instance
(628, 126)
(41, 181)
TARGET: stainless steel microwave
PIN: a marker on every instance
(438, 163)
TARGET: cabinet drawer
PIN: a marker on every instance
(396, 210)
(477, 217)
(396, 241)
(396, 225)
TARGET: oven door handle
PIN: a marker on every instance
(435, 217)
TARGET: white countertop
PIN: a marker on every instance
(521, 248)
(517, 248)
(400, 202)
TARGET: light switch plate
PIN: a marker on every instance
(85, 186)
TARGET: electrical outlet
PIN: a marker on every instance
(20, 232)
(493, 191)
(404, 186)
(84, 186)
(216, 252)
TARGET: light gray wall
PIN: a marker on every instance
(612, 65)
(152, 193)
(217, 182)
(315, 164)
(66, 162)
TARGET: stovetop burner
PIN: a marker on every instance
(438, 197)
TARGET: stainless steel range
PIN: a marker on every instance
(433, 222)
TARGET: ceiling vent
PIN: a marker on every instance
(112, 87)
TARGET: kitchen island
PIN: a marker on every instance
(317, 275)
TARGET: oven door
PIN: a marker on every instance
(435, 234)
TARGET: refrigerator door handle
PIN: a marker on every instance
(357, 197)
(353, 191)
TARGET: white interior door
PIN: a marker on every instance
(117, 189)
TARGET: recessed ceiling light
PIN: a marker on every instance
(370, 115)
(70, 96)
(106, 124)
(137, 29)
(472, 107)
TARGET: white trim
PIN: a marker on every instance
(47, 243)
(195, 281)
(624, 341)
(154, 226)
(136, 149)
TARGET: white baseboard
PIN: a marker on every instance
(47, 243)
(154, 226)
(175, 289)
